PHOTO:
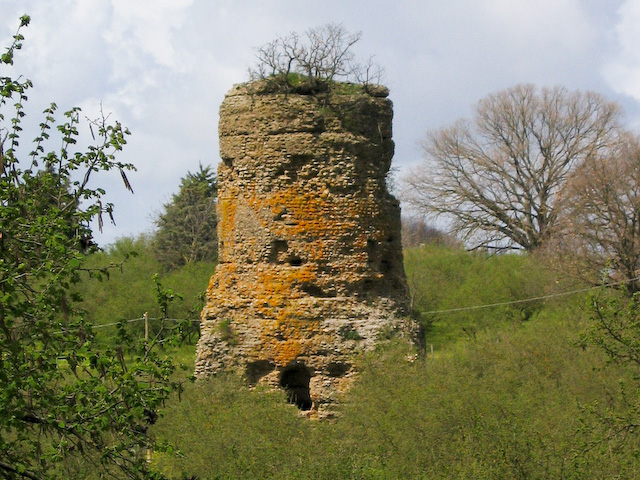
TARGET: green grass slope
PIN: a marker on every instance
(511, 391)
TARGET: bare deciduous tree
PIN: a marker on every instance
(416, 231)
(320, 56)
(599, 229)
(497, 178)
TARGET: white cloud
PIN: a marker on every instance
(162, 67)
(146, 28)
(623, 72)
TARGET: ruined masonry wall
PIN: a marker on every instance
(310, 265)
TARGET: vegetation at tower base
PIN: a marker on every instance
(310, 253)
(511, 391)
(66, 401)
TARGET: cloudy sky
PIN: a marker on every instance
(162, 67)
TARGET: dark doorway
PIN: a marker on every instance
(295, 381)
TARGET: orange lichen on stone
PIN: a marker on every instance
(277, 286)
(288, 338)
(310, 255)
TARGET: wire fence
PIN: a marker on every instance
(144, 318)
(531, 299)
(141, 319)
(147, 319)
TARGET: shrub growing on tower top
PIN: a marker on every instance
(312, 62)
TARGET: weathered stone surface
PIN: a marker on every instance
(310, 268)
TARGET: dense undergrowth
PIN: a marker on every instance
(511, 391)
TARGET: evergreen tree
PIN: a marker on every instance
(187, 229)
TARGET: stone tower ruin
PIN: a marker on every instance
(310, 259)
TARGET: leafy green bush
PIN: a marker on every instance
(615, 330)
(67, 401)
(222, 429)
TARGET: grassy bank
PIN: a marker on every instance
(511, 391)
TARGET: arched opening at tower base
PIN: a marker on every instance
(295, 381)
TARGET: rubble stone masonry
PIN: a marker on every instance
(310, 254)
